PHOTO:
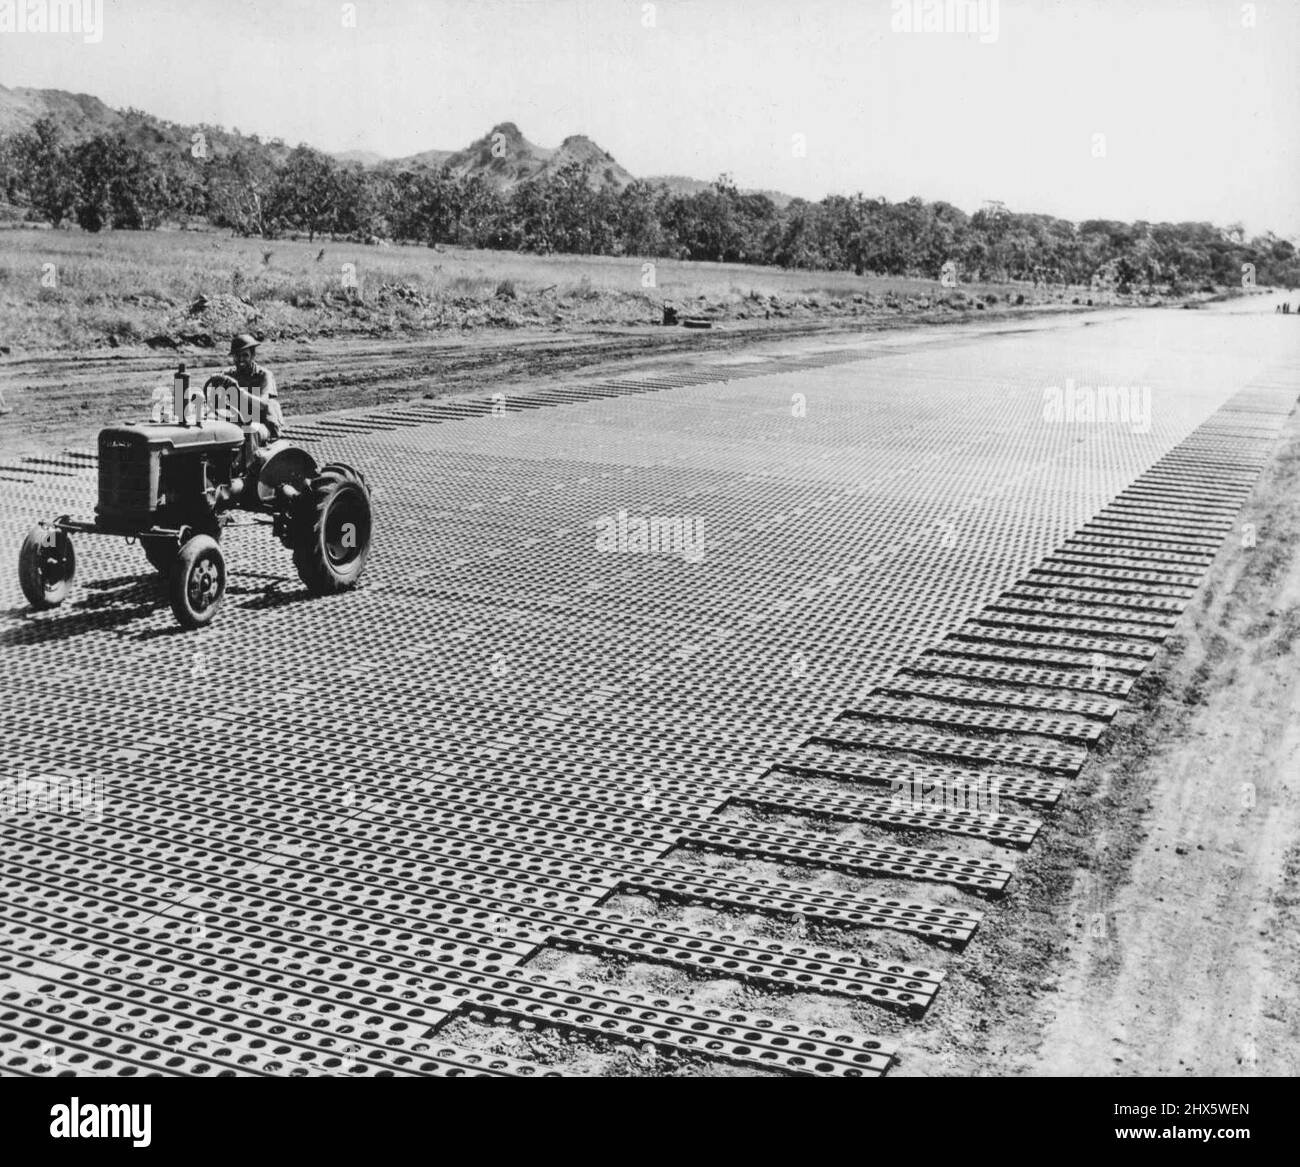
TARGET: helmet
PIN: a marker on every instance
(241, 342)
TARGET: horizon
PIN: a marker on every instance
(825, 98)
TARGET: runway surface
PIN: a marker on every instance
(817, 634)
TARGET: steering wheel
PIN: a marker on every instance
(219, 405)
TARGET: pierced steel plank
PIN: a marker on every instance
(1089, 581)
(744, 1038)
(1178, 502)
(1171, 516)
(1060, 759)
(1172, 605)
(1111, 628)
(973, 810)
(877, 859)
(1150, 612)
(1039, 656)
(1118, 563)
(679, 882)
(1138, 547)
(893, 773)
(1089, 682)
(1088, 644)
(1174, 536)
(958, 717)
(1176, 583)
(991, 695)
(765, 963)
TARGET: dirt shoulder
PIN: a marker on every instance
(1154, 929)
(1187, 961)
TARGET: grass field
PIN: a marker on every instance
(66, 290)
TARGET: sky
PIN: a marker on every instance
(1119, 109)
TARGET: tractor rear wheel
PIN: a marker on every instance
(46, 566)
(197, 584)
(330, 530)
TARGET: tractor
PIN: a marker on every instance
(173, 483)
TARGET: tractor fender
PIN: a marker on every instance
(282, 464)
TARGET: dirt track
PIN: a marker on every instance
(56, 398)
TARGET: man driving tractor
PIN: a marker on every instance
(259, 401)
(176, 481)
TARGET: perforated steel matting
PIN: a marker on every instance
(652, 672)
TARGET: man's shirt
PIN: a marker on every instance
(260, 381)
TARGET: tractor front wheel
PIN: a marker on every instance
(330, 530)
(161, 550)
(197, 584)
(46, 566)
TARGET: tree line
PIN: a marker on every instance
(263, 189)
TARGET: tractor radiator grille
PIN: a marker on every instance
(124, 478)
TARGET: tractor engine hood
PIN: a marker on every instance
(220, 434)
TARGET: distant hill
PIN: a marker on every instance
(358, 158)
(505, 158)
(502, 156)
(79, 116)
(679, 184)
(430, 158)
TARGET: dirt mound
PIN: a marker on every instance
(221, 313)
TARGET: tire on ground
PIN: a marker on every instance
(331, 530)
(47, 565)
(197, 583)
